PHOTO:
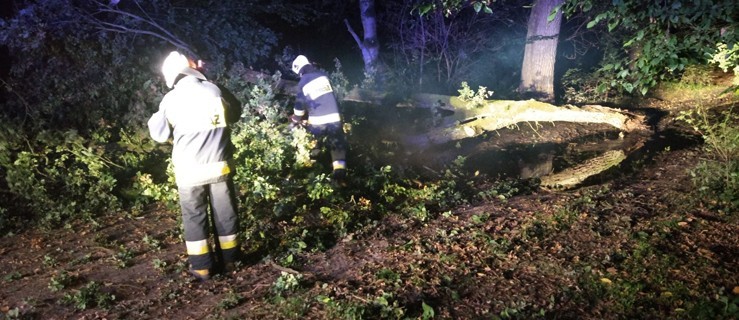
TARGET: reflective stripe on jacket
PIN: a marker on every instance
(316, 97)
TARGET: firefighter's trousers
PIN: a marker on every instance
(332, 136)
(195, 202)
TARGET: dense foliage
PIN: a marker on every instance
(647, 43)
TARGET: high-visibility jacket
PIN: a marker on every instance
(194, 114)
(316, 97)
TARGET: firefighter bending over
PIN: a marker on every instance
(316, 100)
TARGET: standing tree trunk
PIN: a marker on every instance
(370, 46)
(537, 72)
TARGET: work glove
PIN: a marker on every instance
(295, 121)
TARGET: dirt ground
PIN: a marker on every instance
(542, 253)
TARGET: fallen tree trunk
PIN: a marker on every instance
(501, 114)
(491, 115)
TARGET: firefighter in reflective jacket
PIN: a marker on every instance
(316, 100)
(195, 114)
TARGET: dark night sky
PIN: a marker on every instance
(5, 12)
(5, 8)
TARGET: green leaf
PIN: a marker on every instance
(488, 10)
(628, 87)
(587, 6)
(602, 87)
(428, 311)
(613, 24)
(424, 9)
(477, 6)
(640, 34)
(553, 14)
(597, 19)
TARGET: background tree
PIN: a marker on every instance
(369, 44)
(537, 71)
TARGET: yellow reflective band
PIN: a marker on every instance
(195, 248)
(202, 272)
(338, 164)
(228, 242)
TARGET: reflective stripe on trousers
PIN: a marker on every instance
(332, 136)
(194, 202)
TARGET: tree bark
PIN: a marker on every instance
(537, 72)
(501, 114)
(370, 46)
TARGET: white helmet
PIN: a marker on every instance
(173, 65)
(300, 62)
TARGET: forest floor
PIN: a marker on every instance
(634, 246)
